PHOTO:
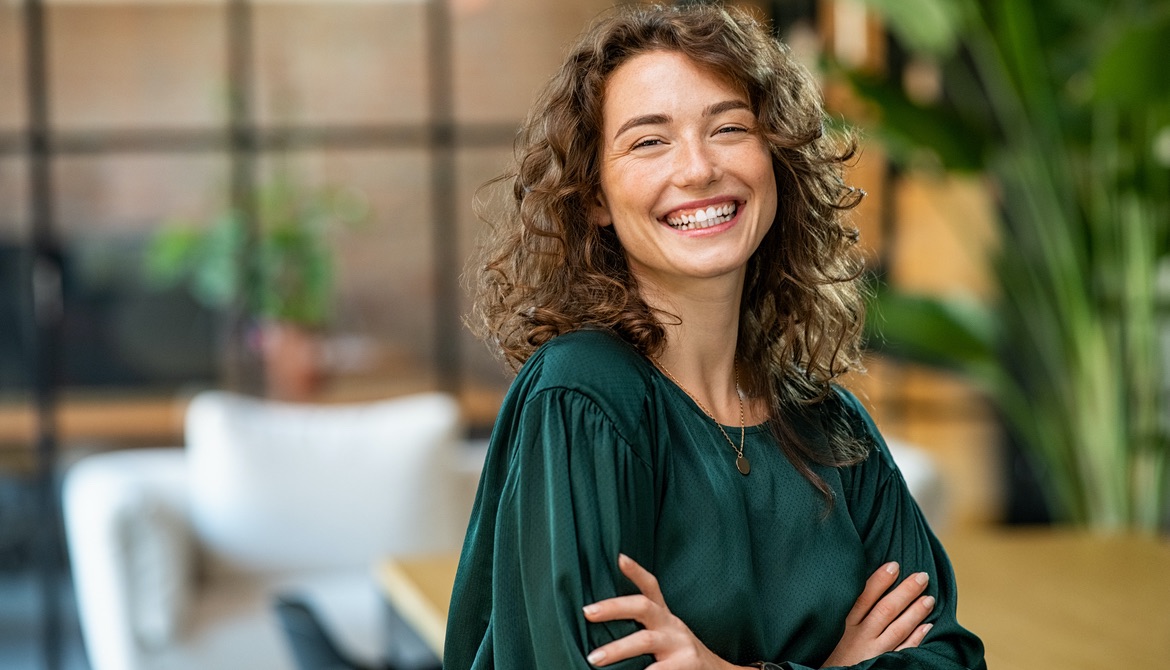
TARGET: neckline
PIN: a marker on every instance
(690, 402)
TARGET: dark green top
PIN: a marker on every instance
(595, 452)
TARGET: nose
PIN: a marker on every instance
(695, 165)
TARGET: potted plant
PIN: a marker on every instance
(1064, 107)
(284, 288)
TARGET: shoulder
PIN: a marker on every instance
(596, 365)
(571, 351)
(851, 409)
(862, 428)
(593, 362)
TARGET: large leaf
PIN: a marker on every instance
(1130, 72)
(954, 334)
(925, 26)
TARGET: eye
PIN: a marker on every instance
(648, 142)
(731, 129)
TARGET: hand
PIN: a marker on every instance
(876, 625)
(664, 635)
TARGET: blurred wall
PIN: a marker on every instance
(142, 65)
(161, 65)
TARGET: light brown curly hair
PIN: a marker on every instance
(547, 269)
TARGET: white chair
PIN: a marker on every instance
(177, 553)
(923, 479)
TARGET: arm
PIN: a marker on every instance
(876, 623)
(664, 636)
(885, 619)
(892, 528)
(564, 492)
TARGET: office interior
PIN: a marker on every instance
(121, 119)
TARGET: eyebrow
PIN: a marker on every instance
(655, 119)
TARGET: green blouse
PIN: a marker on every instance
(595, 452)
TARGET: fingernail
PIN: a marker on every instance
(927, 628)
(928, 602)
(622, 557)
(922, 578)
(596, 657)
(892, 567)
(590, 610)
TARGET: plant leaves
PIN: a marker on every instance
(948, 333)
(169, 255)
(906, 127)
(924, 26)
(1130, 71)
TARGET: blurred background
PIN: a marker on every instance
(275, 198)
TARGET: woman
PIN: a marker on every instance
(672, 479)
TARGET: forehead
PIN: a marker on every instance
(663, 82)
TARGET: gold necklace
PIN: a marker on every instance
(741, 462)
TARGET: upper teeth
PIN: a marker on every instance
(702, 218)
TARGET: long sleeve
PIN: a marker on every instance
(596, 453)
(573, 493)
(892, 528)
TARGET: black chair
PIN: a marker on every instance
(313, 649)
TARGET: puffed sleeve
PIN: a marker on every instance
(573, 491)
(893, 528)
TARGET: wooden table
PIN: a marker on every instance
(1040, 599)
(419, 589)
(1065, 599)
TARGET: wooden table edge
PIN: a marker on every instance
(412, 604)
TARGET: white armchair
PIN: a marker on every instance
(177, 553)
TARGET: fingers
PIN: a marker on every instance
(638, 608)
(641, 577)
(646, 609)
(896, 618)
(635, 644)
(906, 626)
(877, 584)
(879, 623)
(916, 637)
(894, 603)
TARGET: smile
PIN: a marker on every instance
(706, 217)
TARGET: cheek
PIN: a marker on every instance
(752, 162)
(627, 190)
(767, 187)
(772, 197)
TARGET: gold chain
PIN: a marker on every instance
(741, 461)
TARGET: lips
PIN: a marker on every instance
(702, 217)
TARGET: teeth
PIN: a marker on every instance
(703, 218)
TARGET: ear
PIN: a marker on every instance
(599, 211)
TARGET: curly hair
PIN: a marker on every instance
(547, 269)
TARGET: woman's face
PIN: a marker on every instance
(686, 181)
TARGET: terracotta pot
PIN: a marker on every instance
(293, 357)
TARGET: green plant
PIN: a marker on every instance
(1065, 105)
(292, 264)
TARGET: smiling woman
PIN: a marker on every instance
(686, 179)
(673, 272)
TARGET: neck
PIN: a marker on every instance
(701, 342)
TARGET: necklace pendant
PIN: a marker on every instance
(743, 465)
